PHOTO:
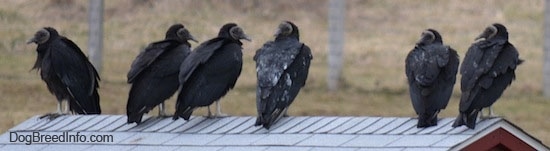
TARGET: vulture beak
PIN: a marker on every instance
(246, 37)
(193, 39)
(278, 32)
(32, 40)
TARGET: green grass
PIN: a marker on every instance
(379, 35)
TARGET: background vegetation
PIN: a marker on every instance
(379, 34)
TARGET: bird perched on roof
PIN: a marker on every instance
(431, 69)
(282, 67)
(210, 71)
(488, 69)
(67, 72)
(154, 73)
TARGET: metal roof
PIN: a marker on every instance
(238, 133)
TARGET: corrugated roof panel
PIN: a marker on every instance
(440, 124)
(417, 140)
(47, 123)
(243, 148)
(109, 148)
(371, 140)
(444, 128)
(286, 148)
(291, 122)
(380, 149)
(303, 125)
(425, 149)
(483, 124)
(282, 139)
(34, 147)
(332, 149)
(79, 122)
(65, 147)
(457, 130)
(159, 125)
(5, 138)
(377, 125)
(349, 124)
(413, 130)
(232, 125)
(189, 124)
(320, 123)
(96, 122)
(192, 139)
(217, 125)
(149, 138)
(241, 139)
(202, 125)
(124, 127)
(410, 124)
(229, 133)
(260, 130)
(451, 141)
(244, 126)
(155, 148)
(366, 123)
(333, 125)
(389, 127)
(121, 123)
(108, 121)
(68, 120)
(330, 140)
(198, 148)
(464, 129)
(145, 124)
(27, 124)
(117, 136)
(255, 130)
(173, 125)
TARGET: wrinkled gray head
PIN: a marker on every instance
(231, 30)
(237, 33)
(43, 35)
(178, 31)
(495, 31)
(184, 34)
(287, 29)
(429, 36)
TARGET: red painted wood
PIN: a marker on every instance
(499, 140)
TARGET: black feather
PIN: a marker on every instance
(209, 72)
(282, 68)
(154, 73)
(68, 73)
(488, 69)
(431, 69)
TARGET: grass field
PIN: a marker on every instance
(379, 34)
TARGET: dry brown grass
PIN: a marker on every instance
(379, 35)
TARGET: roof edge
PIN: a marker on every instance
(508, 126)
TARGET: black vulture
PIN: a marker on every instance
(67, 73)
(488, 68)
(282, 67)
(154, 73)
(209, 71)
(431, 69)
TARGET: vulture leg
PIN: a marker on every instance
(209, 112)
(491, 112)
(219, 110)
(56, 114)
(285, 112)
(67, 110)
(162, 110)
